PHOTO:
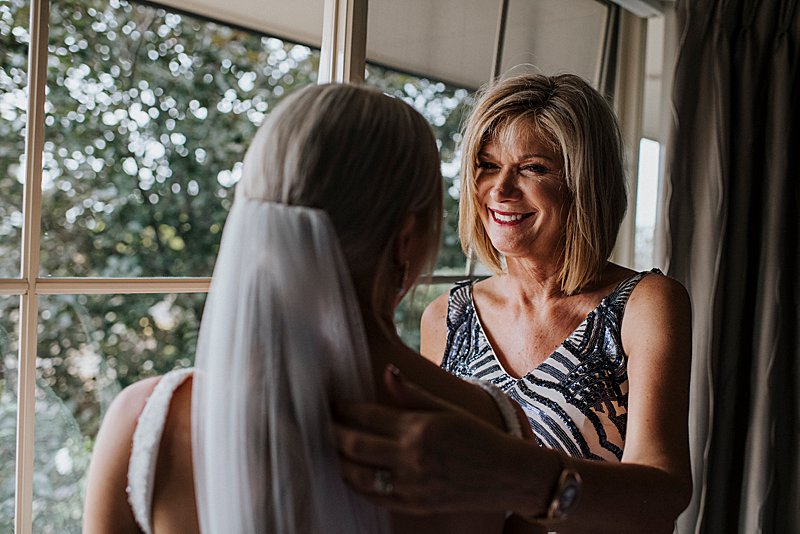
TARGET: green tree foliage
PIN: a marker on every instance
(13, 79)
(147, 118)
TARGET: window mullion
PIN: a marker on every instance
(126, 286)
(500, 38)
(344, 41)
(13, 286)
(31, 231)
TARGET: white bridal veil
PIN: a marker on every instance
(281, 339)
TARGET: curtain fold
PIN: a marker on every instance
(732, 237)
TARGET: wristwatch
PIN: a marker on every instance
(566, 495)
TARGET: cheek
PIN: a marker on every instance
(550, 195)
(481, 196)
(482, 189)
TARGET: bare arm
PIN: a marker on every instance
(433, 330)
(106, 508)
(652, 485)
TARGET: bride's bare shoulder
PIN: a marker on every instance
(107, 508)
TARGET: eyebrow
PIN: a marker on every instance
(534, 155)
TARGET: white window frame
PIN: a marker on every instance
(343, 54)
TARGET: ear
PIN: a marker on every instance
(404, 239)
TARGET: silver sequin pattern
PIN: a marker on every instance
(576, 400)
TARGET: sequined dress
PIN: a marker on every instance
(576, 400)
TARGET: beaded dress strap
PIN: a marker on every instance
(618, 298)
(458, 302)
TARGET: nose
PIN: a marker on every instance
(505, 186)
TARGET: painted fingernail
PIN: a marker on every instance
(394, 370)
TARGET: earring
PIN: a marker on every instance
(403, 278)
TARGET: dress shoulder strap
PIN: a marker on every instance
(619, 297)
(144, 448)
(458, 303)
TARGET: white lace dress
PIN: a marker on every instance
(144, 449)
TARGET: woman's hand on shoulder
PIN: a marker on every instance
(657, 337)
(433, 329)
(106, 506)
(436, 456)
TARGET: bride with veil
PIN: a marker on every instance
(337, 213)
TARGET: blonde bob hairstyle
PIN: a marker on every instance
(580, 125)
(365, 158)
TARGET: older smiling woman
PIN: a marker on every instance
(596, 355)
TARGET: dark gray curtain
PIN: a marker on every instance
(732, 235)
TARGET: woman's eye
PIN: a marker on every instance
(534, 169)
(486, 166)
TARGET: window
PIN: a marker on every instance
(651, 144)
(14, 39)
(147, 117)
(646, 203)
(140, 115)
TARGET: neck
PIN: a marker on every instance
(378, 324)
(385, 346)
(532, 280)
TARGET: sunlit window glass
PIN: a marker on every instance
(409, 312)
(14, 42)
(9, 322)
(646, 203)
(148, 117)
(90, 348)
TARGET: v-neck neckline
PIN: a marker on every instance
(581, 328)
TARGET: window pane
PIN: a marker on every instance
(449, 40)
(90, 347)
(409, 312)
(646, 203)
(9, 320)
(554, 36)
(148, 117)
(14, 40)
(443, 105)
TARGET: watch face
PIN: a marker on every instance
(569, 495)
(569, 491)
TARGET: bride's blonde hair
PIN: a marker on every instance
(365, 158)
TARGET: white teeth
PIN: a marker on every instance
(507, 218)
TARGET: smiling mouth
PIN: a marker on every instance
(507, 218)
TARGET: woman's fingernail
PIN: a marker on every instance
(394, 370)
